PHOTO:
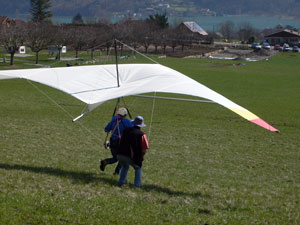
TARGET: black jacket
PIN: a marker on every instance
(131, 145)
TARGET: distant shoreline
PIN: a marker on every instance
(289, 18)
(207, 22)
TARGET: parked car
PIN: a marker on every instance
(266, 45)
(255, 46)
(286, 48)
(292, 44)
(295, 49)
(278, 47)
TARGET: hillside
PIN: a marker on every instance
(140, 9)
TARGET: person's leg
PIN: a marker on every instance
(114, 154)
(103, 164)
(138, 176)
(123, 174)
(117, 169)
(112, 160)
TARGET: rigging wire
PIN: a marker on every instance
(59, 106)
(137, 51)
(151, 118)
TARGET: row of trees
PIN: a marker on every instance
(245, 32)
(40, 33)
(136, 33)
(154, 31)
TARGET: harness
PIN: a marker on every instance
(117, 126)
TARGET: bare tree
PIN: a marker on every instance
(146, 35)
(246, 31)
(38, 36)
(78, 35)
(62, 37)
(136, 32)
(227, 29)
(12, 38)
(164, 40)
(106, 35)
(93, 34)
(173, 38)
(183, 36)
(122, 32)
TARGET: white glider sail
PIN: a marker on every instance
(97, 84)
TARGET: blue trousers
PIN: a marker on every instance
(125, 163)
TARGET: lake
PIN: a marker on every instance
(206, 22)
(259, 22)
(211, 23)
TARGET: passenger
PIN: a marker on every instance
(131, 151)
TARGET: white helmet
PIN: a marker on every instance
(122, 112)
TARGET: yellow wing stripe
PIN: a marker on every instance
(245, 114)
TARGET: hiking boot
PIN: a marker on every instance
(120, 184)
(103, 164)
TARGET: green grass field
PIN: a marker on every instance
(205, 165)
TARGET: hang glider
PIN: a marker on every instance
(94, 85)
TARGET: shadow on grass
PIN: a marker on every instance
(86, 178)
(150, 187)
(78, 177)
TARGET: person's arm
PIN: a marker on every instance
(145, 145)
(109, 125)
(128, 123)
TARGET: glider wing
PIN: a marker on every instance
(97, 84)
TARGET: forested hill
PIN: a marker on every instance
(138, 8)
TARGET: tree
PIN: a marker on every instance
(131, 32)
(246, 31)
(173, 38)
(106, 35)
(12, 38)
(40, 10)
(161, 20)
(78, 37)
(77, 19)
(38, 36)
(93, 41)
(183, 37)
(227, 29)
(62, 37)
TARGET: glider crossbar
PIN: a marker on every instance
(177, 99)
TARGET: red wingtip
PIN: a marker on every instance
(264, 124)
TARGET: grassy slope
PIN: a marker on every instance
(205, 165)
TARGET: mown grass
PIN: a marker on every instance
(206, 165)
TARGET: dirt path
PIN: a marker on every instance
(248, 55)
